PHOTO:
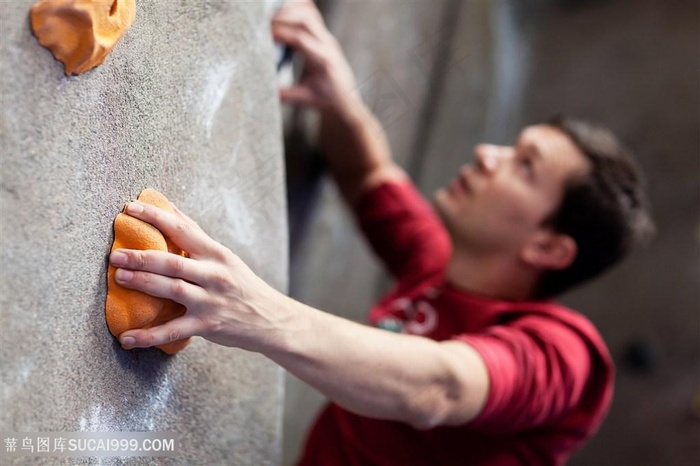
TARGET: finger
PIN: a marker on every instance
(173, 330)
(160, 286)
(304, 15)
(183, 215)
(299, 95)
(302, 41)
(161, 263)
(185, 234)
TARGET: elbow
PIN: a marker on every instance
(429, 412)
(455, 395)
(444, 404)
(426, 422)
(445, 411)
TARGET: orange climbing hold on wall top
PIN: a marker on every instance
(129, 309)
(81, 33)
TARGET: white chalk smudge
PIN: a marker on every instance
(208, 100)
(21, 376)
(144, 416)
(101, 418)
(156, 403)
(242, 220)
(218, 198)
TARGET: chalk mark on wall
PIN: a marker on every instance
(208, 100)
(103, 417)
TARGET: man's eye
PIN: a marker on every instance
(527, 165)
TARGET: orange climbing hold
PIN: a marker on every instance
(81, 33)
(129, 309)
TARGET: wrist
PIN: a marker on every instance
(286, 325)
(350, 110)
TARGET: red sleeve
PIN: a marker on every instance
(538, 371)
(403, 230)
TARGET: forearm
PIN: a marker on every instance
(369, 371)
(376, 373)
(355, 148)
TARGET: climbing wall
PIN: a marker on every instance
(187, 104)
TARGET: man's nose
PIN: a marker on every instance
(488, 156)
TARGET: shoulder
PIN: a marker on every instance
(391, 176)
(554, 316)
(390, 190)
(544, 360)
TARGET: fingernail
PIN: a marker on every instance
(128, 341)
(118, 258)
(134, 208)
(123, 275)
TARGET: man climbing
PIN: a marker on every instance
(480, 367)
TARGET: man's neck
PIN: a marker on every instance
(491, 276)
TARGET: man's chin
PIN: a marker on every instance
(440, 196)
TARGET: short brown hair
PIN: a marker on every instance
(605, 211)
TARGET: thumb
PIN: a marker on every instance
(176, 329)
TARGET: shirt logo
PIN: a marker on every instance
(407, 316)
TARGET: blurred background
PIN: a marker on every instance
(443, 76)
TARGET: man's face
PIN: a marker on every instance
(498, 203)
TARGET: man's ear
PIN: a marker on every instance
(550, 250)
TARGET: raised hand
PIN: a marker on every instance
(327, 81)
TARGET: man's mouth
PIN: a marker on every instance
(464, 182)
(459, 185)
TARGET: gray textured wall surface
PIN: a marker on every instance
(187, 104)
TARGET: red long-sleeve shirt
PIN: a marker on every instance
(551, 376)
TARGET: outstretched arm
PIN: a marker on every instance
(368, 371)
(352, 140)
